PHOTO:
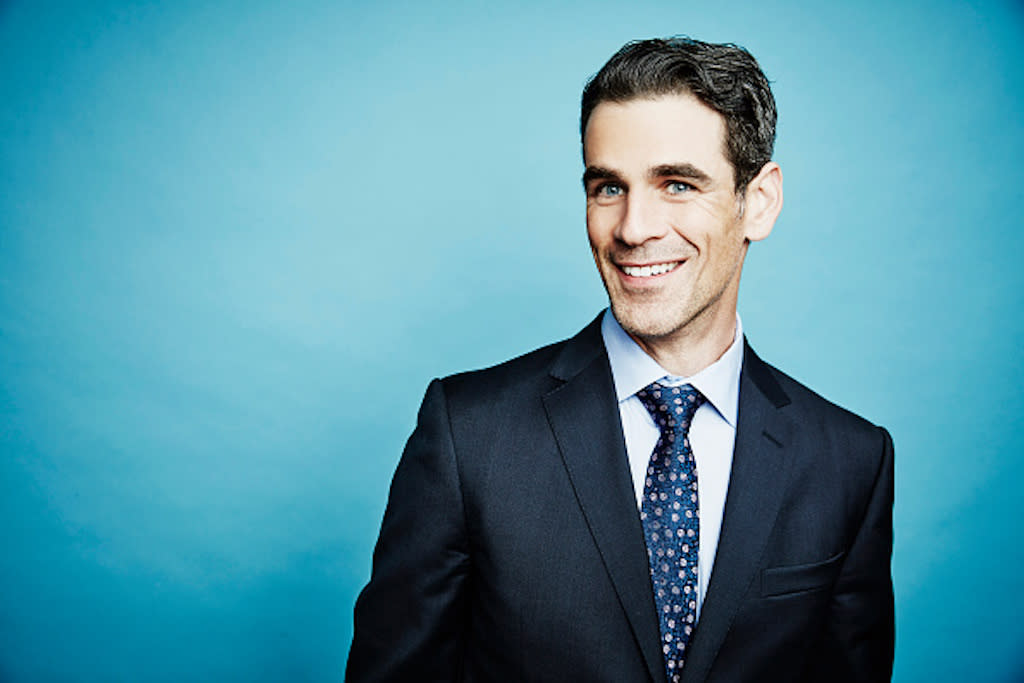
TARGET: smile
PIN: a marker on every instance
(650, 271)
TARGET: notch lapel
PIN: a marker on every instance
(758, 479)
(584, 417)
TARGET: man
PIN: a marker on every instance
(647, 501)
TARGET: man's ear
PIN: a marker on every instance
(762, 202)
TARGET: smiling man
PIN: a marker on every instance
(648, 500)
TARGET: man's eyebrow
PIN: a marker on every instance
(598, 173)
(683, 170)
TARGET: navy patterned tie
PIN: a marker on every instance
(670, 519)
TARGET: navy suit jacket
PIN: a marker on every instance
(511, 548)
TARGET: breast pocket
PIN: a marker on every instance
(799, 578)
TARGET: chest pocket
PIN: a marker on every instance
(800, 577)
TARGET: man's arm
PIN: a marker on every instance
(859, 638)
(410, 618)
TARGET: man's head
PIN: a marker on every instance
(724, 77)
(677, 189)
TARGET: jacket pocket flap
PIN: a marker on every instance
(799, 577)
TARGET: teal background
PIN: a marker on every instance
(238, 239)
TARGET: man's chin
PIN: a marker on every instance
(644, 322)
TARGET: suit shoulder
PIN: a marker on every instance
(834, 438)
(525, 373)
(516, 386)
(820, 409)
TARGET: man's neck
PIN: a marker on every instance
(694, 347)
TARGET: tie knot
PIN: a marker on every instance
(672, 408)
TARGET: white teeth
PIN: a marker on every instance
(649, 271)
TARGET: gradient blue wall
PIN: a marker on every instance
(237, 241)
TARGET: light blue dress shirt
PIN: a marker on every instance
(712, 432)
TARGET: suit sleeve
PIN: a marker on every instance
(859, 639)
(410, 618)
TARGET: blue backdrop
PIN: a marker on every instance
(236, 241)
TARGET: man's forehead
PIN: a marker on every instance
(655, 131)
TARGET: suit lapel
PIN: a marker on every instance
(760, 469)
(584, 417)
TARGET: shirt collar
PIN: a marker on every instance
(633, 369)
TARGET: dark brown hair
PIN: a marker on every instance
(725, 77)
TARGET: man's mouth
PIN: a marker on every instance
(650, 271)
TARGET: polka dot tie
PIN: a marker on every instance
(670, 520)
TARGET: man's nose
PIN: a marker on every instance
(641, 220)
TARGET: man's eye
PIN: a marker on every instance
(679, 187)
(609, 191)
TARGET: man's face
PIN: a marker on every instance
(665, 224)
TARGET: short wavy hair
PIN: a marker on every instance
(725, 77)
